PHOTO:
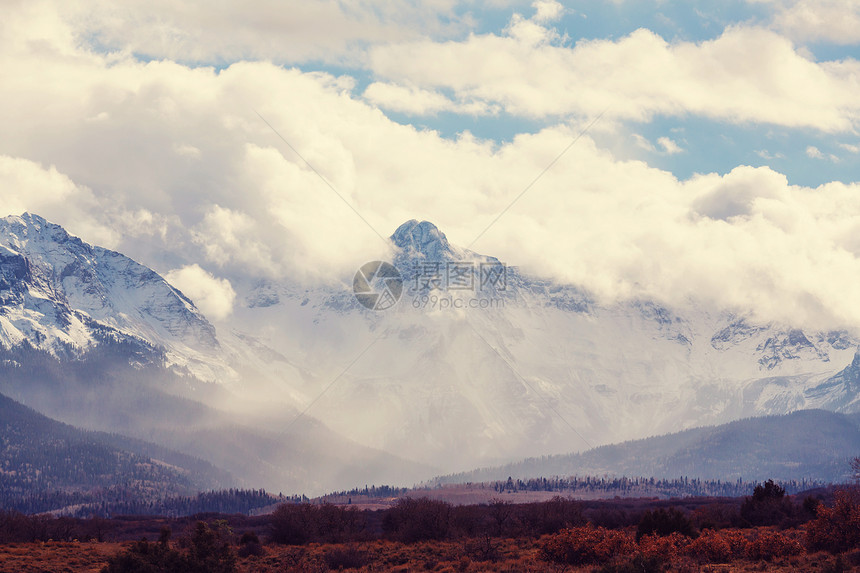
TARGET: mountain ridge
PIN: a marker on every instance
(752, 449)
(57, 292)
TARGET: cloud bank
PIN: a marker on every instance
(171, 164)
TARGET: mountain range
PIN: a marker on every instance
(303, 388)
(529, 367)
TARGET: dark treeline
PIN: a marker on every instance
(639, 486)
(419, 519)
(228, 501)
(374, 491)
(131, 501)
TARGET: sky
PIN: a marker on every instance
(682, 151)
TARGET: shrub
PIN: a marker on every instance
(481, 549)
(712, 547)
(769, 505)
(553, 515)
(412, 520)
(770, 544)
(665, 549)
(585, 545)
(716, 516)
(836, 529)
(249, 544)
(346, 558)
(664, 522)
(300, 523)
(292, 524)
(637, 564)
(145, 557)
(207, 552)
(611, 518)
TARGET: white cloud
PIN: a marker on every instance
(814, 152)
(214, 297)
(245, 206)
(416, 101)
(547, 10)
(736, 193)
(744, 75)
(28, 186)
(765, 154)
(669, 146)
(832, 21)
(643, 143)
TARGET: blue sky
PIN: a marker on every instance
(808, 157)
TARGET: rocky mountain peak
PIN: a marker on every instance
(422, 238)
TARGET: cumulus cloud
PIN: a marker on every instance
(29, 186)
(213, 296)
(173, 163)
(735, 194)
(547, 10)
(831, 21)
(744, 75)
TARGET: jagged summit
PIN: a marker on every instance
(62, 294)
(422, 238)
(18, 229)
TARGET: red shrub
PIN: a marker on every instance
(717, 546)
(585, 545)
(666, 548)
(836, 529)
(769, 544)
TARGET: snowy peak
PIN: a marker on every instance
(840, 392)
(422, 239)
(62, 295)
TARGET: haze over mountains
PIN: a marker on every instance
(304, 389)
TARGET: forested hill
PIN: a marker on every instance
(805, 445)
(46, 465)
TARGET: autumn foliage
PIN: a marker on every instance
(837, 528)
(424, 534)
(585, 545)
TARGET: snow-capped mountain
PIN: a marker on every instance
(471, 367)
(93, 339)
(477, 363)
(61, 295)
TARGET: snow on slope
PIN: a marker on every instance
(545, 370)
(63, 295)
(535, 368)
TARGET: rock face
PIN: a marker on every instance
(64, 296)
(422, 239)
